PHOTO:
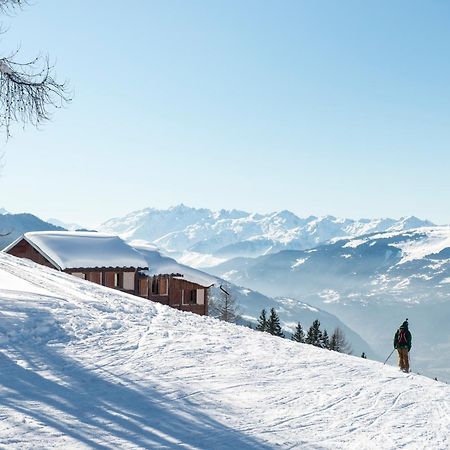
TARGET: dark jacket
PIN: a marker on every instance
(408, 339)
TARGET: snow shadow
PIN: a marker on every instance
(96, 412)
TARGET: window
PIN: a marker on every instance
(128, 281)
(118, 280)
(193, 296)
(183, 298)
(155, 285)
(200, 296)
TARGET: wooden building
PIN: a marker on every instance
(96, 257)
(109, 261)
(175, 290)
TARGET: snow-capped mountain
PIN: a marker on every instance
(372, 283)
(13, 226)
(83, 366)
(250, 302)
(201, 237)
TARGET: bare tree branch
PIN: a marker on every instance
(7, 6)
(27, 91)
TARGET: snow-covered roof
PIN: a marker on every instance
(76, 249)
(163, 265)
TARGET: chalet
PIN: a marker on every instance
(101, 258)
(108, 260)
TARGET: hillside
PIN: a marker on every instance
(371, 283)
(82, 366)
(250, 302)
(201, 237)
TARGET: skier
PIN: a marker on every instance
(402, 342)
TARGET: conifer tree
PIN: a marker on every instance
(262, 321)
(325, 340)
(299, 335)
(338, 343)
(273, 324)
(314, 336)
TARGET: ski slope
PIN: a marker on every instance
(82, 366)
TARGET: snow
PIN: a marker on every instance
(196, 259)
(203, 238)
(329, 296)
(83, 249)
(299, 262)
(436, 240)
(89, 367)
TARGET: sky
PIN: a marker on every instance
(319, 107)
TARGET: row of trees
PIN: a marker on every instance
(224, 307)
(315, 336)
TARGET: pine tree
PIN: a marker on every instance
(325, 340)
(262, 321)
(314, 336)
(299, 335)
(273, 324)
(338, 343)
(333, 343)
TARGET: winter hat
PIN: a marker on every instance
(405, 324)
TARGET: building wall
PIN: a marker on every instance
(124, 280)
(24, 250)
(176, 292)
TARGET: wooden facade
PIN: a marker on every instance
(169, 289)
(175, 291)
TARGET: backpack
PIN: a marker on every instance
(402, 339)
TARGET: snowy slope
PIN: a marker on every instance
(372, 283)
(201, 238)
(250, 303)
(82, 366)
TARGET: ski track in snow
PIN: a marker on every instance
(82, 366)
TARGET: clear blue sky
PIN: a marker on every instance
(320, 107)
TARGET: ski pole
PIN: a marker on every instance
(390, 354)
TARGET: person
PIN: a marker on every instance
(402, 342)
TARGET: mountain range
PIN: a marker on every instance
(201, 237)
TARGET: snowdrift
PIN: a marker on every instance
(82, 366)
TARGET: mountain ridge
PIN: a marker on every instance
(201, 236)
